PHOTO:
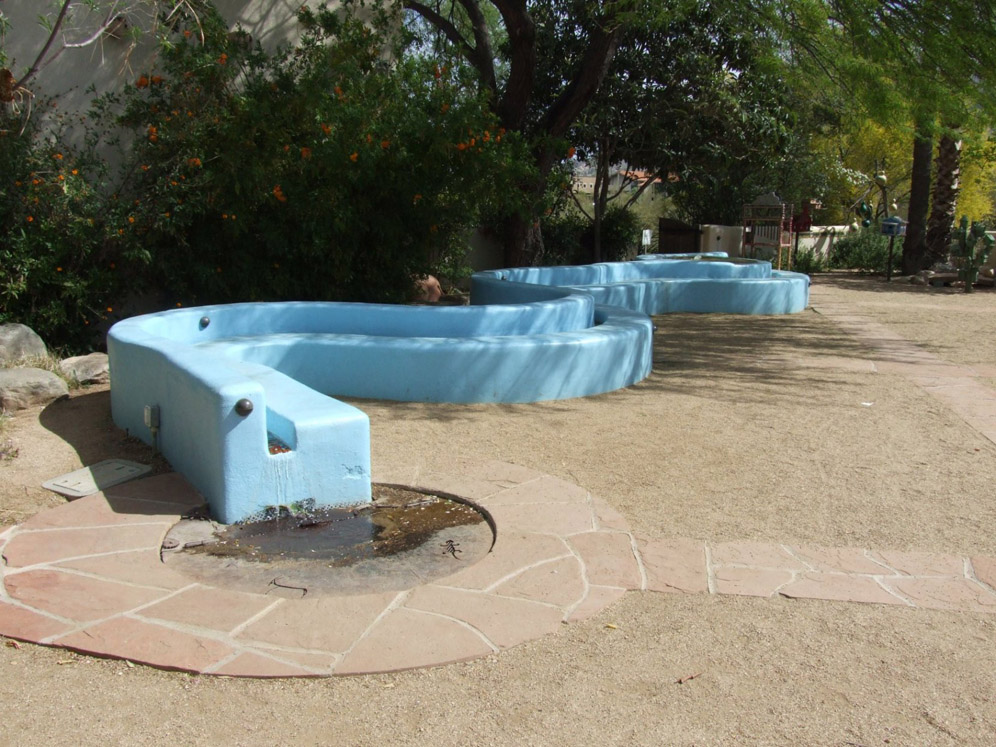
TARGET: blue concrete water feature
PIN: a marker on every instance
(665, 284)
(240, 397)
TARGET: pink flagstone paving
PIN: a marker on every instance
(840, 587)
(748, 582)
(74, 597)
(31, 548)
(254, 665)
(984, 570)
(160, 646)
(28, 625)
(503, 621)
(88, 576)
(559, 582)
(674, 565)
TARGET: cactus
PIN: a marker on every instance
(970, 250)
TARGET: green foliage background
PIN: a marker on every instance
(341, 169)
(349, 165)
(568, 236)
(866, 250)
(57, 271)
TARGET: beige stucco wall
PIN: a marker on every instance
(108, 63)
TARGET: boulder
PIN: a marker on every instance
(24, 387)
(428, 289)
(86, 369)
(19, 341)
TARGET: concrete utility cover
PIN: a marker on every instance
(95, 478)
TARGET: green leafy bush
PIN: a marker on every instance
(340, 169)
(807, 261)
(337, 170)
(568, 236)
(57, 270)
(865, 250)
(620, 233)
(562, 238)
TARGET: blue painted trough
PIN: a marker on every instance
(216, 387)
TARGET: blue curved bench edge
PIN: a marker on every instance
(196, 374)
(531, 334)
(666, 284)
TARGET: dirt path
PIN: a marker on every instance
(771, 429)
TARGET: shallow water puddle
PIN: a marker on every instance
(404, 538)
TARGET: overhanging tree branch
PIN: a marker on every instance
(642, 188)
(586, 80)
(522, 62)
(112, 13)
(36, 65)
(110, 19)
(479, 55)
(442, 24)
(581, 207)
(482, 44)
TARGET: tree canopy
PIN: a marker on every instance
(725, 94)
(924, 66)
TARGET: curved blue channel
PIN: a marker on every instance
(532, 334)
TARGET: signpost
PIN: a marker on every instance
(892, 227)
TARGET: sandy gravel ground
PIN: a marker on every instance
(749, 428)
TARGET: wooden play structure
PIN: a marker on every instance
(768, 231)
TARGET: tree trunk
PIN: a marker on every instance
(600, 197)
(523, 241)
(914, 245)
(945, 199)
(522, 237)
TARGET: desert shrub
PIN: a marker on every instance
(807, 261)
(562, 238)
(57, 270)
(338, 169)
(620, 233)
(865, 250)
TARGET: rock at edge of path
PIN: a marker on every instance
(87, 369)
(19, 341)
(24, 387)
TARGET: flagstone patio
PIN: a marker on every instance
(87, 576)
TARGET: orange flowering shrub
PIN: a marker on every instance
(54, 273)
(350, 176)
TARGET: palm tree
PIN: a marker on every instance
(915, 244)
(947, 169)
